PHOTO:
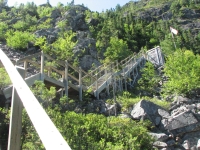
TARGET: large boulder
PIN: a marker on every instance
(181, 120)
(148, 110)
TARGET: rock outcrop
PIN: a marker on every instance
(179, 128)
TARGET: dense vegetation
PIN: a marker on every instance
(118, 33)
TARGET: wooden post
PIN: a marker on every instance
(114, 89)
(49, 71)
(107, 85)
(125, 80)
(97, 93)
(25, 68)
(80, 84)
(66, 78)
(61, 92)
(15, 128)
(42, 66)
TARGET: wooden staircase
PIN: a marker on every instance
(62, 74)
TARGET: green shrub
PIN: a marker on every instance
(44, 11)
(182, 68)
(18, 39)
(129, 100)
(149, 80)
(64, 45)
(3, 29)
(93, 131)
(4, 78)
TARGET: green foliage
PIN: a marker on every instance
(149, 80)
(92, 131)
(45, 25)
(128, 100)
(117, 50)
(4, 127)
(4, 78)
(44, 11)
(42, 43)
(18, 39)
(27, 23)
(63, 46)
(42, 93)
(182, 68)
(3, 29)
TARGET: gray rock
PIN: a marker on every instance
(111, 110)
(146, 110)
(186, 145)
(163, 113)
(56, 14)
(198, 144)
(171, 143)
(159, 136)
(87, 61)
(159, 144)
(51, 34)
(181, 120)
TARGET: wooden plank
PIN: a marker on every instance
(80, 84)
(29, 81)
(71, 76)
(48, 133)
(15, 126)
(53, 81)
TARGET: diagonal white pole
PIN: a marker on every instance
(48, 133)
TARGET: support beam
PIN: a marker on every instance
(15, 128)
(42, 67)
(97, 93)
(107, 84)
(25, 68)
(66, 79)
(80, 84)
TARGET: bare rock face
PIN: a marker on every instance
(159, 136)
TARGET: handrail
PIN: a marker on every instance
(48, 133)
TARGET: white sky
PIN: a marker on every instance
(94, 5)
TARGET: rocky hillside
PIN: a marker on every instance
(88, 39)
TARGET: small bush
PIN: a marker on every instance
(18, 39)
(4, 78)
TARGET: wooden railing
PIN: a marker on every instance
(23, 97)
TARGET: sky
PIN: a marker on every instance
(93, 5)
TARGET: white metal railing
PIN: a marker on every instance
(48, 133)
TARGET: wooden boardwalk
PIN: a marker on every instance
(64, 75)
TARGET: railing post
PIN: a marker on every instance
(42, 66)
(80, 84)
(125, 80)
(97, 93)
(107, 85)
(66, 78)
(25, 68)
(15, 128)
